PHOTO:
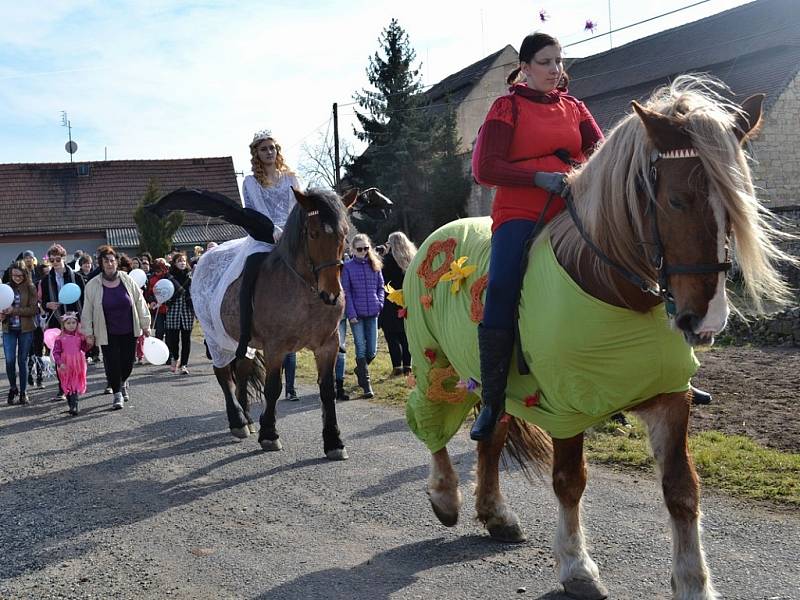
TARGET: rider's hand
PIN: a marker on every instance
(52, 305)
(552, 182)
(353, 321)
(146, 332)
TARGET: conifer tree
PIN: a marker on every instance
(155, 233)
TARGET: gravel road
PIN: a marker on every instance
(158, 501)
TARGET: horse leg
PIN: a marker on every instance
(268, 434)
(502, 523)
(236, 419)
(667, 419)
(245, 368)
(443, 489)
(577, 572)
(325, 357)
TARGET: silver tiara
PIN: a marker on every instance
(259, 136)
(681, 153)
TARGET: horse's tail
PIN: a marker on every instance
(255, 378)
(530, 447)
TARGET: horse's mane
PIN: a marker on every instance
(606, 189)
(331, 212)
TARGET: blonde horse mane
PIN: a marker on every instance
(606, 190)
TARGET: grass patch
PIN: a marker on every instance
(731, 463)
(734, 464)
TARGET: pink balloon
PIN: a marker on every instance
(50, 336)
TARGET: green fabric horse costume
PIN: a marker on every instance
(588, 359)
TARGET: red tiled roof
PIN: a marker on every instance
(59, 197)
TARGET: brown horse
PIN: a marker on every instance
(298, 304)
(655, 211)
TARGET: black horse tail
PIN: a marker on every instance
(529, 447)
(254, 371)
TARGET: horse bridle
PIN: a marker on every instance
(315, 269)
(657, 260)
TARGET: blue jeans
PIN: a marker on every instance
(15, 340)
(289, 368)
(340, 356)
(505, 273)
(365, 337)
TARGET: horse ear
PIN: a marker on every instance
(665, 132)
(349, 199)
(304, 200)
(748, 122)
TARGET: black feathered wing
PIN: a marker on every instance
(212, 204)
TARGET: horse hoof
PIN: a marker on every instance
(585, 589)
(511, 534)
(251, 427)
(271, 445)
(240, 432)
(445, 518)
(337, 454)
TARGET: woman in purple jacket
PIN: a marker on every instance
(362, 282)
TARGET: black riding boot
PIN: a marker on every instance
(72, 400)
(249, 274)
(700, 397)
(495, 347)
(362, 372)
(341, 395)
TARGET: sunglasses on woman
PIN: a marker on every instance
(362, 249)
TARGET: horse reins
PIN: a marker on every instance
(658, 261)
(315, 269)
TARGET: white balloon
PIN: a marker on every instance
(155, 351)
(163, 290)
(6, 296)
(139, 276)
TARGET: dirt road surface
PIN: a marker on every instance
(158, 501)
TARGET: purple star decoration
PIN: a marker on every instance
(590, 25)
(543, 16)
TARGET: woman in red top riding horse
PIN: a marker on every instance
(528, 138)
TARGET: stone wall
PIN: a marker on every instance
(778, 329)
(776, 150)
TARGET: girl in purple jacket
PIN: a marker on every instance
(362, 282)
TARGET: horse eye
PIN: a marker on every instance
(313, 234)
(676, 203)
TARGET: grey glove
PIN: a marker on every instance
(552, 182)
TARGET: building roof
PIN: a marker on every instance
(456, 87)
(187, 235)
(102, 195)
(753, 48)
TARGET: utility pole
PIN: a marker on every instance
(71, 147)
(336, 165)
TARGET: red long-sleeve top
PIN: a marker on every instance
(518, 138)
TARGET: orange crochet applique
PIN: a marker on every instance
(443, 386)
(425, 270)
(476, 292)
(426, 300)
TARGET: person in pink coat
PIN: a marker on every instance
(68, 354)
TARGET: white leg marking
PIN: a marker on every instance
(572, 558)
(690, 577)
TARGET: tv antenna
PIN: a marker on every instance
(71, 147)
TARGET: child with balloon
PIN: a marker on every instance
(68, 354)
(17, 308)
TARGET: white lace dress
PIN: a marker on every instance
(220, 266)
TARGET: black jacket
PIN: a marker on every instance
(392, 275)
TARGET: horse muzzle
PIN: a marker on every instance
(689, 323)
(328, 298)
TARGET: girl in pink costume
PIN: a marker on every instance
(68, 354)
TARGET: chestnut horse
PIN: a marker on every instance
(653, 215)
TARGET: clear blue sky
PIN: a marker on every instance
(160, 79)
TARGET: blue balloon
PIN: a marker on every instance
(69, 294)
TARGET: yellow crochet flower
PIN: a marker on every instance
(458, 273)
(396, 296)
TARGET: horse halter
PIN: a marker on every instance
(658, 261)
(315, 269)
